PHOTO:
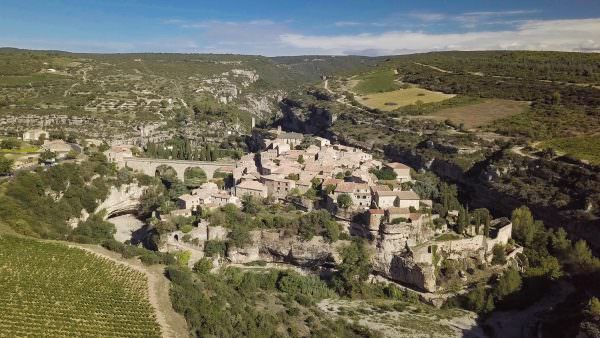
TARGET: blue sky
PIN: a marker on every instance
(294, 27)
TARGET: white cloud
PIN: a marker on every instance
(202, 24)
(560, 35)
(472, 19)
(348, 23)
(427, 16)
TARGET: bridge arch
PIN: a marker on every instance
(149, 166)
(194, 176)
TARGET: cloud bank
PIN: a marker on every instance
(559, 35)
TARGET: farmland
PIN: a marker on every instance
(480, 114)
(51, 290)
(389, 101)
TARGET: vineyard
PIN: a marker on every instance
(50, 290)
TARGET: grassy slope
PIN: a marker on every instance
(586, 147)
(401, 97)
(379, 81)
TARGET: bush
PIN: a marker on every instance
(94, 230)
(295, 284)
(203, 266)
(186, 228)
(214, 248)
(508, 283)
(183, 257)
(499, 255)
(332, 231)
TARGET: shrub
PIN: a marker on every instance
(186, 228)
(213, 248)
(499, 255)
(332, 231)
(183, 257)
(203, 266)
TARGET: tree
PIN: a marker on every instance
(344, 201)
(329, 189)
(311, 194)
(10, 143)
(385, 174)
(151, 199)
(560, 244)
(354, 269)
(6, 166)
(301, 159)
(549, 267)
(498, 255)
(332, 231)
(508, 283)
(71, 155)
(239, 236)
(593, 307)
(523, 225)
(47, 156)
(448, 196)
(94, 230)
(581, 258)
(306, 230)
(463, 220)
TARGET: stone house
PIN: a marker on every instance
(402, 171)
(252, 188)
(277, 185)
(401, 199)
(187, 201)
(359, 192)
(34, 135)
(220, 198)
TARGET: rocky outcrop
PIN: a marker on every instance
(399, 265)
(307, 119)
(124, 199)
(273, 247)
(404, 268)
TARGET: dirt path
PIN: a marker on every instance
(433, 67)
(172, 324)
(519, 151)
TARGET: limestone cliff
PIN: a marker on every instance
(121, 200)
(274, 247)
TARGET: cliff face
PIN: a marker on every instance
(272, 247)
(306, 118)
(121, 200)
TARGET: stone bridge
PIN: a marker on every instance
(149, 165)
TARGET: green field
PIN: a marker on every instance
(585, 148)
(389, 101)
(50, 290)
(379, 81)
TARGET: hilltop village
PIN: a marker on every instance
(411, 242)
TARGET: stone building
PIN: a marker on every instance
(402, 171)
(252, 188)
(34, 135)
